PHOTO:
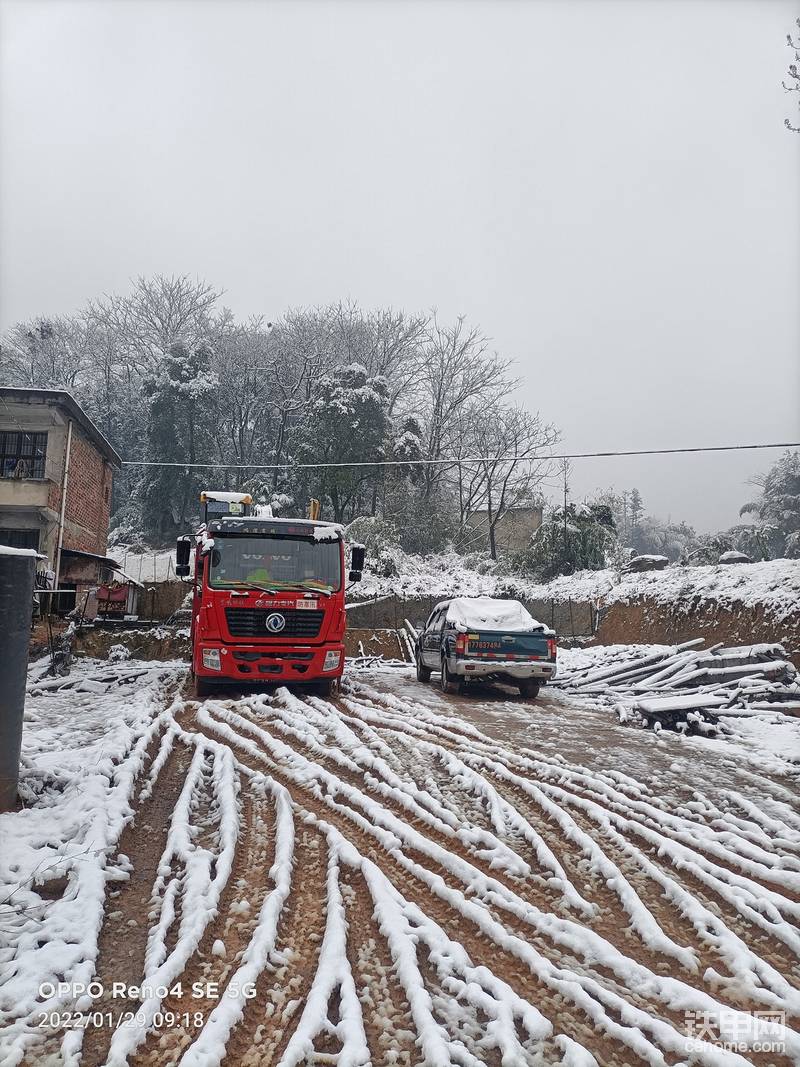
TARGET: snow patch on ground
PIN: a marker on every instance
(82, 749)
(774, 585)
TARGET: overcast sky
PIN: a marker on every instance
(606, 188)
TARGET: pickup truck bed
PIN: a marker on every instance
(517, 656)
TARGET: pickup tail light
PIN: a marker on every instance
(551, 647)
(461, 645)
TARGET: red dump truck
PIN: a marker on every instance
(268, 595)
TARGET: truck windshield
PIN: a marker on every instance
(275, 563)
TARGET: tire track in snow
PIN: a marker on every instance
(498, 955)
(413, 887)
(271, 1017)
(384, 934)
(387, 1015)
(123, 937)
(232, 930)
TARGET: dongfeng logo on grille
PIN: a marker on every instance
(275, 622)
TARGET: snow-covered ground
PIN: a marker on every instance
(774, 585)
(393, 877)
(83, 747)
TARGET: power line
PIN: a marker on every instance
(454, 461)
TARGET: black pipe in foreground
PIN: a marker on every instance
(17, 572)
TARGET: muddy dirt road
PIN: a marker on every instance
(400, 877)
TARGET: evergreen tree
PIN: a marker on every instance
(347, 422)
(181, 396)
(635, 510)
(582, 539)
(777, 509)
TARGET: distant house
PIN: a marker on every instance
(513, 530)
(56, 471)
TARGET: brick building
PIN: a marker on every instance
(56, 470)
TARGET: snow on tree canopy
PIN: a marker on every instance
(486, 613)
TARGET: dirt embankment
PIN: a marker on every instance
(159, 643)
(646, 621)
(364, 641)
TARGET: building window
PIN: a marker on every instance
(20, 538)
(22, 454)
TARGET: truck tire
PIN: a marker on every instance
(450, 684)
(423, 672)
(203, 688)
(327, 687)
(529, 688)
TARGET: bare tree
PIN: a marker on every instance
(794, 84)
(511, 460)
(159, 312)
(455, 372)
(48, 353)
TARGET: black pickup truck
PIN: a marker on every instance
(471, 638)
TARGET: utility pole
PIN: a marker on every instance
(567, 562)
(64, 488)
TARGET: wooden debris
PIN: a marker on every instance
(678, 687)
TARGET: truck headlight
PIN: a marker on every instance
(332, 661)
(211, 660)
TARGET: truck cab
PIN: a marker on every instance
(268, 596)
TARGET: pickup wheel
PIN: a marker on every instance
(423, 672)
(450, 684)
(529, 689)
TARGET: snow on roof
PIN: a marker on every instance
(486, 613)
(226, 498)
(127, 577)
(7, 550)
(323, 531)
(328, 531)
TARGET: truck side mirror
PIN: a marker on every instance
(182, 552)
(354, 576)
(357, 558)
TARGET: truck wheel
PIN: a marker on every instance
(203, 688)
(450, 684)
(328, 687)
(529, 689)
(423, 672)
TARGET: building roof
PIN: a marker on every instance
(67, 402)
(509, 510)
(107, 561)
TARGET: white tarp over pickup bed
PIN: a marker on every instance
(486, 613)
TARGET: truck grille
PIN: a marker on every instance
(252, 622)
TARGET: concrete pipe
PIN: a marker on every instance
(17, 570)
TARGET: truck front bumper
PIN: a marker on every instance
(257, 663)
(480, 668)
